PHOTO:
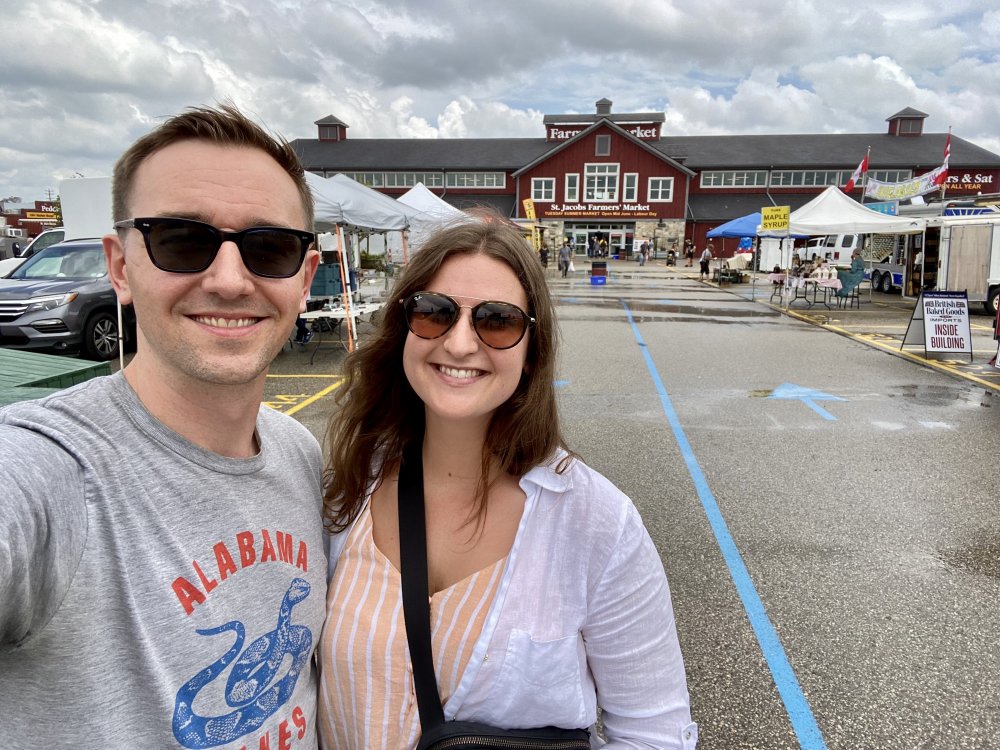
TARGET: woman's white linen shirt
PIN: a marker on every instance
(583, 610)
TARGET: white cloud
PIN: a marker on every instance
(92, 76)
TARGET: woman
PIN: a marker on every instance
(850, 279)
(546, 591)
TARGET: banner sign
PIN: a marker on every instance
(774, 218)
(964, 181)
(946, 322)
(529, 208)
(894, 191)
(890, 208)
(40, 215)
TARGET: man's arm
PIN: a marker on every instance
(43, 527)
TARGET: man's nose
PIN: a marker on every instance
(228, 276)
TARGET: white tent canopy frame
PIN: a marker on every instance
(342, 204)
(833, 212)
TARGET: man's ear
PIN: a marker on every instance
(114, 256)
(309, 266)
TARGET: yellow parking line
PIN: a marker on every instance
(894, 348)
(317, 397)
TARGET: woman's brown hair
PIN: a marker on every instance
(378, 410)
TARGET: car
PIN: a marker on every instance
(61, 300)
(42, 241)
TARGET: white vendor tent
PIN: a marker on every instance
(344, 202)
(434, 213)
(833, 212)
(422, 199)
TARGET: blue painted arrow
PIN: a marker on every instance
(560, 383)
(807, 396)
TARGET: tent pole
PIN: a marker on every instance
(405, 258)
(345, 288)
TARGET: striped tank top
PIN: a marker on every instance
(366, 697)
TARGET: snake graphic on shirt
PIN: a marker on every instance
(249, 689)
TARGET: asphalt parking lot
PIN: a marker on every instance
(830, 540)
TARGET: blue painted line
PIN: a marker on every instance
(560, 383)
(819, 409)
(796, 705)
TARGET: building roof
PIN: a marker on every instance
(908, 112)
(826, 151)
(587, 119)
(331, 120)
(427, 154)
(615, 128)
(709, 207)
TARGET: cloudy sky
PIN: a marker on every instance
(80, 80)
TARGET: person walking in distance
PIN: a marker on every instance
(162, 561)
(706, 258)
(565, 255)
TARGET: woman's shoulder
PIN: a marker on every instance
(579, 490)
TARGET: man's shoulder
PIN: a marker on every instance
(286, 429)
(63, 406)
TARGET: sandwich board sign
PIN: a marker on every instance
(940, 322)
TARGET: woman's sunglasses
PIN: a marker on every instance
(499, 325)
(188, 246)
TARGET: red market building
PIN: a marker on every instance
(618, 177)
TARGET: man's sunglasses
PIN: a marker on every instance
(499, 325)
(188, 246)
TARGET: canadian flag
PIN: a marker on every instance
(856, 177)
(941, 173)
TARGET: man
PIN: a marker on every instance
(565, 255)
(162, 570)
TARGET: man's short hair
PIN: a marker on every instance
(224, 126)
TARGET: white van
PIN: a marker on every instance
(837, 248)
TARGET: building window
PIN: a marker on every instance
(601, 182)
(890, 175)
(486, 180)
(910, 127)
(808, 178)
(543, 189)
(371, 179)
(630, 187)
(572, 188)
(328, 133)
(661, 189)
(736, 178)
(409, 179)
(603, 146)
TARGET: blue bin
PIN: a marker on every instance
(326, 282)
(598, 280)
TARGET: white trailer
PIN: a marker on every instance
(969, 257)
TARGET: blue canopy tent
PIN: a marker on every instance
(745, 226)
(742, 229)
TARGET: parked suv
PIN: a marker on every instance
(60, 299)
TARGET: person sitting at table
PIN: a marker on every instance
(801, 269)
(820, 269)
(850, 279)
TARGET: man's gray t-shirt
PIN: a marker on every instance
(152, 593)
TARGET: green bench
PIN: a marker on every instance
(27, 375)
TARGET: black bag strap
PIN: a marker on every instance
(413, 572)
